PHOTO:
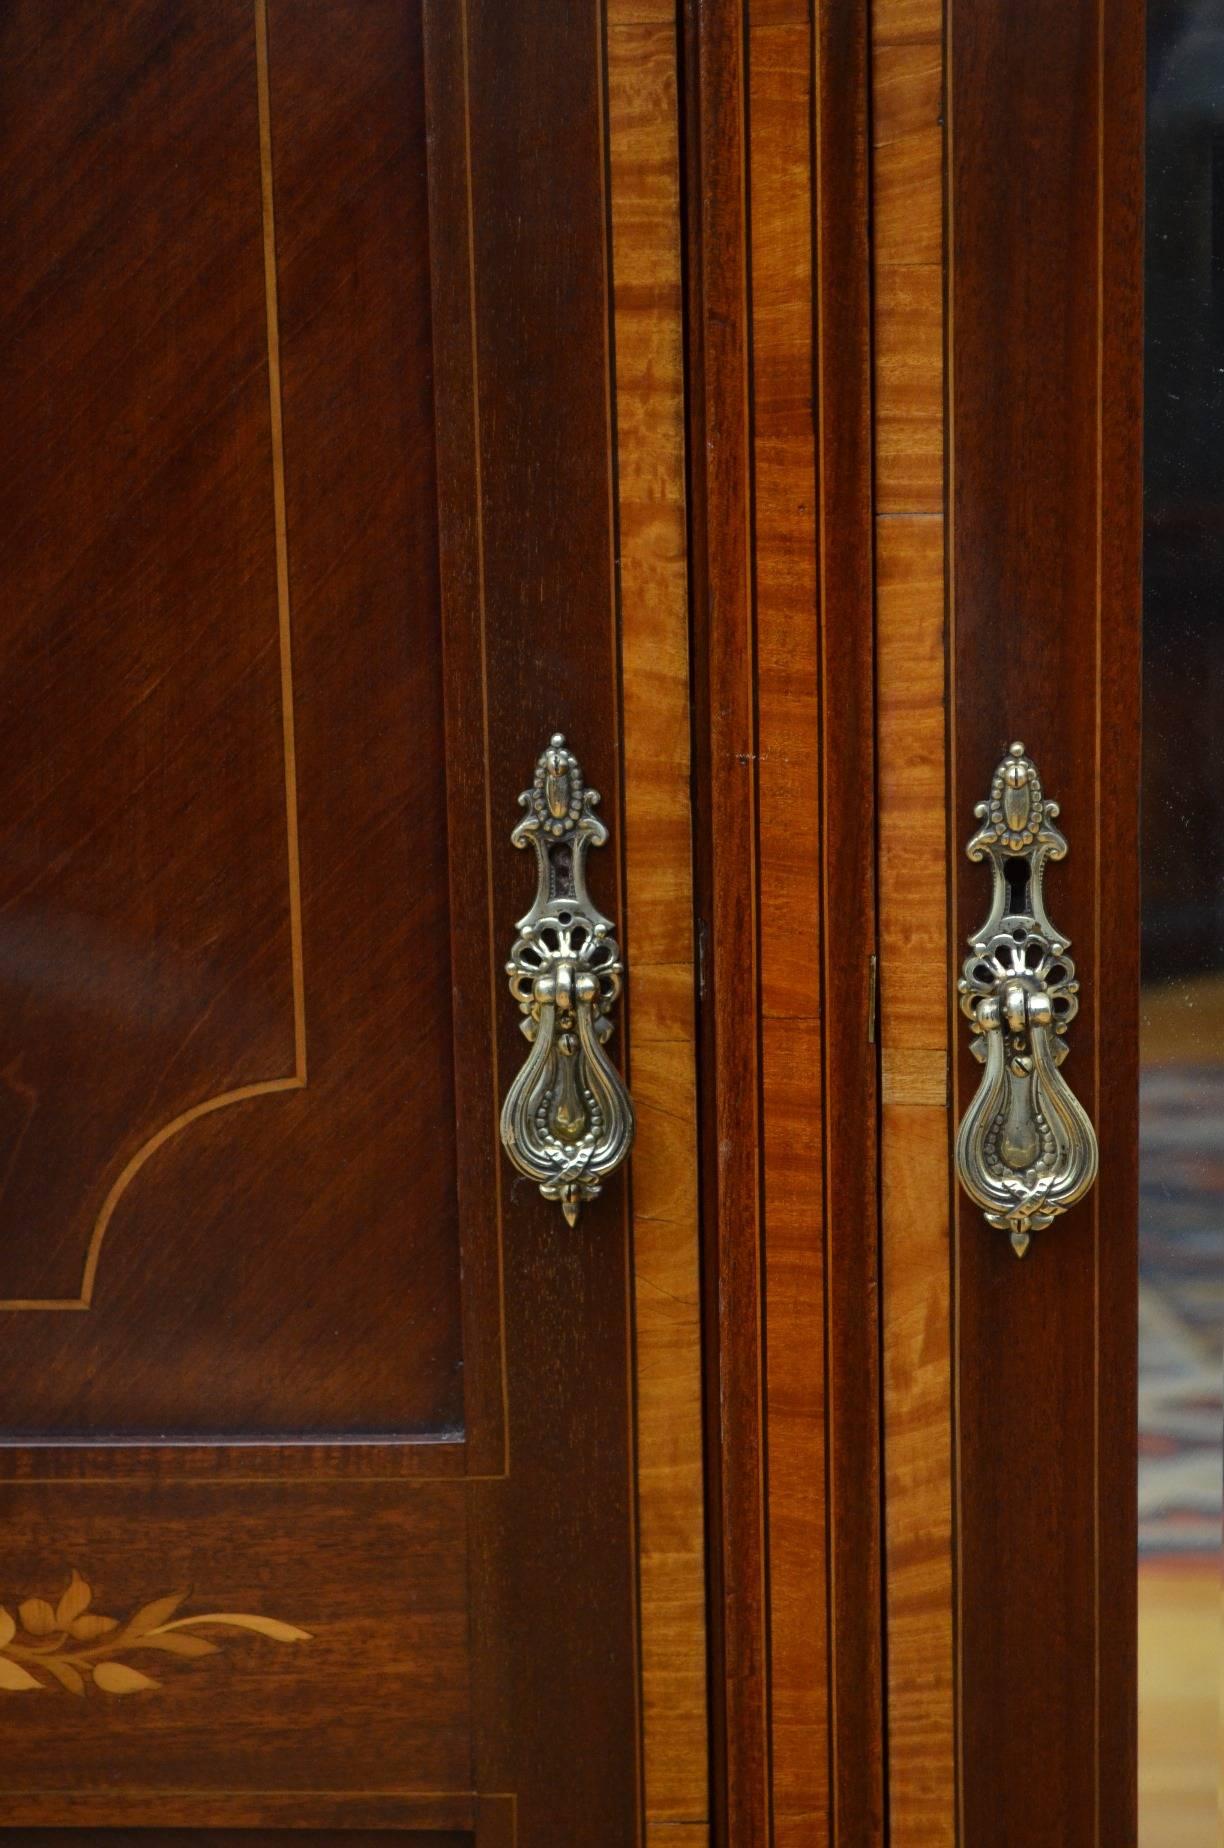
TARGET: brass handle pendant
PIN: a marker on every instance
(567, 1121)
(1026, 1150)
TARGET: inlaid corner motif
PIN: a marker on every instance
(66, 1644)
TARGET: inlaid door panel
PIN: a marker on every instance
(231, 871)
(220, 1632)
(316, 1472)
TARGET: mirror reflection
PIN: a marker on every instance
(1181, 1301)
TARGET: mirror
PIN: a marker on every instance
(1181, 1229)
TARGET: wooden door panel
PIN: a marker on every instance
(309, 481)
(527, 495)
(247, 870)
(144, 871)
(1045, 355)
(375, 1678)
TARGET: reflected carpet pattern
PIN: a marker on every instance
(1181, 1310)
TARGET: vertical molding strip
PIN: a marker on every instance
(780, 452)
(914, 846)
(849, 924)
(780, 88)
(724, 634)
(644, 154)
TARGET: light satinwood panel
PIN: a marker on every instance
(915, 1075)
(915, 1154)
(906, 22)
(909, 388)
(650, 455)
(912, 824)
(918, 1475)
(795, 1313)
(641, 13)
(913, 919)
(663, 1003)
(907, 136)
(645, 201)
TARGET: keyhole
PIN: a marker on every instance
(1017, 873)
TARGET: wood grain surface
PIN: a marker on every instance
(915, 950)
(312, 473)
(377, 1580)
(237, 1838)
(788, 675)
(726, 806)
(644, 177)
(901, 22)
(226, 686)
(915, 962)
(527, 499)
(851, 1085)
(780, 451)
(1045, 176)
(907, 254)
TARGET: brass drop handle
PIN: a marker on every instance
(567, 1121)
(1026, 1150)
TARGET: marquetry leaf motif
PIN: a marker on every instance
(37, 1617)
(15, 1679)
(68, 1646)
(74, 1601)
(64, 1672)
(91, 1625)
(118, 1678)
(181, 1645)
(151, 1616)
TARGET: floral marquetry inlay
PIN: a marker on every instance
(67, 1644)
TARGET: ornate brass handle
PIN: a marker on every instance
(567, 1121)
(1026, 1150)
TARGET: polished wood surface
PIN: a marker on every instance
(644, 183)
(916, 1142)
(788, 670)
(909, 402)
(907, 150)
(849, 888)
(780, 454)
(522, 350)
(468, 372)
(180, 818)
(378, 1583)
(726, 804)
(901, 22)
(915, 948)
(1045, 172)
(313, 545)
